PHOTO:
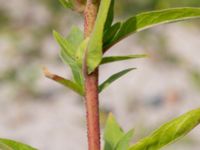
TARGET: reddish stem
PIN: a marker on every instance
(92, 106)
(91, 82)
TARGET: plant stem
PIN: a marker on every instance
(91, 82)
(92, 108)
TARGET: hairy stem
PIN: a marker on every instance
(92, 106)
(91, 82)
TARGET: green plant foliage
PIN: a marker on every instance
(113, 78)
(80, 54)
(149, 19)
(73, 86)
(4, 147)
(77, 5)
(114, 136)
(112, 133)
(66, 3)
(95, 44)
(77, 73)
(69, 84)
(110, 59)
(64, 44)
(110, 15)
(110, 33)
(123, 143)
(6, 144)
(116, 139)
(75, 38)
(68, 53)
(169, 132)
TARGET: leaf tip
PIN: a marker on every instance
(47, 73)
(66, 3)
(131, 131)
(130, 69)
(110, 115)
(55, 33)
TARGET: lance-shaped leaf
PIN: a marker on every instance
(67, 3)
(76, 70)
(77, 5)
(169, 132)
(64, 44)
(75, 37)
(114, 77)
(6, 144)
(110, 33)
(150, 19)
(67, 83)
(123, 143)
(112, 133)
(95, 45)
(110, 59)
(80, 54)
(67, 55)
(110, 15)
(72, 42)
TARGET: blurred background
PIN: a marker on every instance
(38, 111)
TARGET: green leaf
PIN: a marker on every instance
(76, 5)
(67, 3)
(110, 33)
(112, 133)
(114, 77)
(76, 70)
(169, 132)
(72, 42)
(81, 52)
(67, 83)
(110, 59)
(6, 144)
(75, 37)
(64, 44)
(150, 19)
(123, 143)
(67, 55)
(4, 147)
(110, 15)
(70, 84)
(95, 45)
